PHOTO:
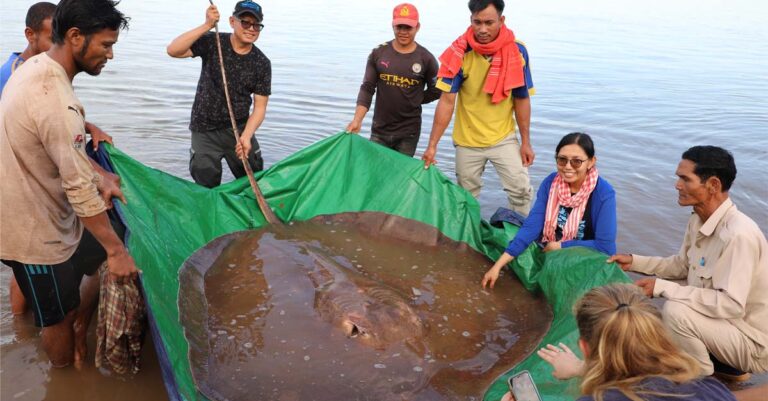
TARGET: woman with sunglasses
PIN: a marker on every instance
(574, 207)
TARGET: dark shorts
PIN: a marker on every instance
(209, 147)
(54, 290)
(403, 144)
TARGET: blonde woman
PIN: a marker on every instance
(628, 353)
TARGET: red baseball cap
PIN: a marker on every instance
(405, 14)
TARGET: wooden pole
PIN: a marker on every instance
(263, 206)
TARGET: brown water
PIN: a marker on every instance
(327, 311)
(646, 79)
(25, 373)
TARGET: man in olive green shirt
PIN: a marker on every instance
(723, 309)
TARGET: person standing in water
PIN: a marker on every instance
(249, 79)
(39, 35)
(54, 198)
(485, 75)
(402, 74)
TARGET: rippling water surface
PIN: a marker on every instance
(646, 79)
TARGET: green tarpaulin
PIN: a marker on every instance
(170, 218)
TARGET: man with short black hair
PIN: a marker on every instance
(38, 34)
(51, 190)
(249, 74)
(721, 316)
(402, 74)
(485, 74)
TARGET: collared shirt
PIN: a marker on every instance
(479, 122)
(47, 178)
(725, 260)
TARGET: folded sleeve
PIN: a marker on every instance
(62, 134)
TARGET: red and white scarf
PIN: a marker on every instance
(560, 195)
(506, 72)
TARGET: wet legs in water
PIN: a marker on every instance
(65, 342)
(18, 302)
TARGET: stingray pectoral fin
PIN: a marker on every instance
(417, 345)
(320, 278)
(326, 270)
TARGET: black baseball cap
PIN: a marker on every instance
(249, 7)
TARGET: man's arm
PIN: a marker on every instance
(731, 276)
(356, 124)
(97, 135)
(81, 182)
(365, 95)
(253, 124)
(523, 118)
(108, 185)
(119, 262)
(181, 47)
(443, 115)
(672, 267)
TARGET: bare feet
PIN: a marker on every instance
(18, 302)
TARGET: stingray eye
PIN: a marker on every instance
(357, 331)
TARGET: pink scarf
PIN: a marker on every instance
(506, 71)
(560, 195)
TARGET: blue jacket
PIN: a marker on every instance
(703, 389)
(7, 69)
(603, 212)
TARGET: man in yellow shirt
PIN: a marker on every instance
(721, 316)
(485, 75)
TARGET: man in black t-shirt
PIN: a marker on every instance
(402, 73)
(249, 73)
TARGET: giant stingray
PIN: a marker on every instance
(354, 306)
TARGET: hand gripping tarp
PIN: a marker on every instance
(169, 218)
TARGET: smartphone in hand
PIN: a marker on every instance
(522, 387)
